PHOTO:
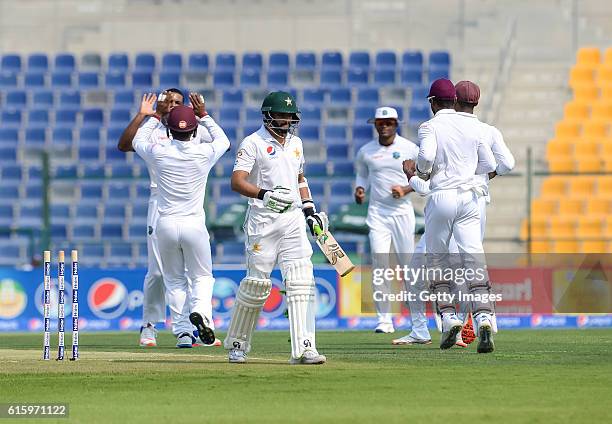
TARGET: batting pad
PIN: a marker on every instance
(251, 296)
(300, 288)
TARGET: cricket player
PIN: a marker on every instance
(468, 96)
(154, 303)
(452, 150)
(181, 168)
(390, 213)
(269, 170)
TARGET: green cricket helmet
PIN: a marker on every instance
(280, 102)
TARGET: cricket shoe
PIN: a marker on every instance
(217, 343)
(485, 333)
(384, 328)
(148, 335)
(309, 357)
(451, 326)
(184, 340)
(467, 333)
(409, 340)
(206, 334)
(237, 356)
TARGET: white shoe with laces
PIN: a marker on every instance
(309, 357)
(148, 335)
(185, 341)
(386, 328)
(451, 326)
(409, 340)
(237, 356)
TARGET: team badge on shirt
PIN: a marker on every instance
(396, 155)
(271, 150)
(297, 152)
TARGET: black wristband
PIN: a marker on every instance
(261, 193)
(308, 212)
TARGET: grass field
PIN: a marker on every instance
(542, 376)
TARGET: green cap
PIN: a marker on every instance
(279, 101)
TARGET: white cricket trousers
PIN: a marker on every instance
(184, 243)
(154, 302)
(389, 234)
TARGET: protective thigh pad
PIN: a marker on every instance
(300, 288)
(251, 296)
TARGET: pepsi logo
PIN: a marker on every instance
(224, 297)
(107, 298)
(325, 297)
(275, 305)
(271, 150)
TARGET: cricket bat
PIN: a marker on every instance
(336, 256)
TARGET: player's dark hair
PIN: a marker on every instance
(445, 104)
(182, 136)
(175, 90)
(466, 105)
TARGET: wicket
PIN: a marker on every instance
(61, 323)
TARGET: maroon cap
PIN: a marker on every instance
(467, 92)
(182, 119)
(442, 89)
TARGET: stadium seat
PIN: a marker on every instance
(252, 60)
(418, 114)
(339, 96)
(315, 169)
(9, 136)
(114, 80)
(581, 75)
(362, 133)
(250, 78)
(441, 58)
(575, 110)
(596, 128)
(93, 117)
(602, 111)
(233, 96)
(225, 61)
(89, 153)
(309, 132)
(62, 136)
(91, 62)
(330, 78)
(10, 118)
(357, 77)
(384, 77)
(11, 173)
(88, 80)
(569, 207)
(35, 137)
(317, 189)
(142, 79)
(386, 60)
(277, 78)
(65, 118)
(344, 169)
(169, 78)
(359, 60)
(120, 117)
(8, 80)
(278, 61)
(588, 56)
(38, 118)
(561, 164)
(582, 186)
(554, 187)
(123, 98)
(315, 96)
(172, 62)
(565, 246)
(89, 136)
(437, 72)
(64, 62)
(305, 61)
(337, 152)
(311, 114)
(198, 62)
(223, 79)
(411, 76)
(567, 129)
(15, 98)
(65, 171)
(593, 246)
(335, 134)
(70, 99)
(11, 63)
(363, 113)
(412, 59)
(586, 92)
(38, 62)
(229, 114)
(590, 227)
(331, 60)
(34, 80)
(145, 63)
(563, 227)
(61, 79)
(118, 62)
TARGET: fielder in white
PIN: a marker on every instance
(269, 170)
(154, 302)
(390, 213)
(182, 168)
(452, 150)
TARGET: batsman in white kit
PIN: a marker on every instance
(390, 213)
(154, 302)
(269, 170)
(452, 150)
(182, 169)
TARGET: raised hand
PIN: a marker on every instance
(146, 105)
(198, 104)
(409, 167)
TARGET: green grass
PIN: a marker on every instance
(553, 376)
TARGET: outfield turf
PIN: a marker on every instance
(543, 376)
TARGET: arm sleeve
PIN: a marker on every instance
(419, 185)
(503, 156)
(142, 140)
(428, 147)
(246, 156)
(220, 143)
(486, 160)
(361, 171)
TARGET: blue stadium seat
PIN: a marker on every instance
(314, 96)
(198, 62)
(91, 191)
(118, 62)
(331, 60)
(15, 98)
(317, 189)
(278, 61)
(6, 214)
(83, 232)
(61, 79)
(11, 172)
(10, 118)
(8, 80)
(120, 253)
(356, 77)
(91, 62)
(253, 114)
(35, 137)
(42, 98)
(411, 76)
(113, 154)
(233, 96)
(65, 118)
(94, 170)
(278, 78)
(419, 93)
(368, 96)
(412, 59)
(70, 99)
(38, 62)
(342, 188)
(172, 62)
(250, 78)
(122, 170)
(344, 169)
(88, 80)
(93, 252)
(114, 80)
(118, 192)
(11, 62)
(138, 231)
(120, 117)
(335, 134)
(169, 79)
(93, 117)
(34, 191)
(58, 232)
(309, 132)
(31, 213)
(229, 114)
(89, 136)
(359, 60)
(89, 153)
(362, 133)
(252, 61)
(66, 171)
(8, 193)
(34, 173)
(363, 113)
(34, 80)
(436, 72)
(340, 96)
(383, 77)
(315, 169)
(123, 98)
(311, 114)
(62, 136)
(225, 61)
(305, 61)
(114, 213)
(143, 80)
(60, 213)
(439, 58)
(386, 60)
(113, 134)
(231, 132)
(223, 78)
(64, 62)
(337, 152)
(419, 113)
(330, 78)
(9, 136)
(86, 212)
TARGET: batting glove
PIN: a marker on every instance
(278, 200)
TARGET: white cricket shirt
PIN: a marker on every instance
(271, 164)
(378, 168)
(181, 167)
